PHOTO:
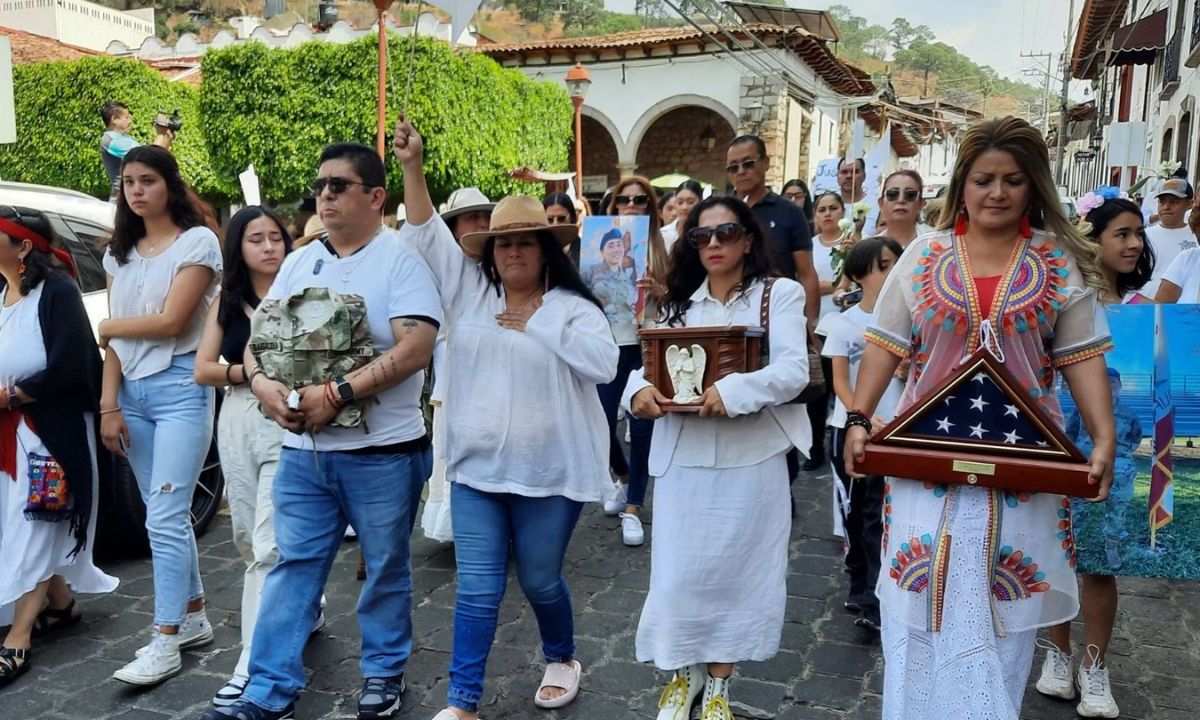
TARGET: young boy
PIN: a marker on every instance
(861, 507)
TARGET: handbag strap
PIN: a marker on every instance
(764, 318)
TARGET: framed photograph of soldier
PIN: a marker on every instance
(612, 258)
(1150, 525)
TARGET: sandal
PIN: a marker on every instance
(51, 620)
(559, 675)
(14, 662)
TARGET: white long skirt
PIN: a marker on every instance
(33, 550)
(719, 559)
(435, 517)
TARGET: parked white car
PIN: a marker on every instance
(85, 224)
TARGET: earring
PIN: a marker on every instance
(1026, 226)
(21, 267)
(961, 224)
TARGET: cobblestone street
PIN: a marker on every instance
(828, 668)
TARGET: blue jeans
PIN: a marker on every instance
(486, 526)
(316, 494)
(640, 430)
(170, 421)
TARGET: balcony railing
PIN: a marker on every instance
(1170, 79)
(1193, 58)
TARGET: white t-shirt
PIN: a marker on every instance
(1166, 244)
(393, 283)
(1184, 272)
(822, 258)
(521, 410)
(140, 287)
(844, 338)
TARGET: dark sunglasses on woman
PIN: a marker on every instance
(910, 195)
(336, 185)
(637, 200)
(725, 233)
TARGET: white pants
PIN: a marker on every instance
(249, 446)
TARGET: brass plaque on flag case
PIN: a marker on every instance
(1013, 445)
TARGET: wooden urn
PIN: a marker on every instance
(727, 350)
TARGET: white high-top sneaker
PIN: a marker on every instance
(1056, 680)
(195, 631)
(1097, 700)
(716, 699)
(158, 661)
(677, 698)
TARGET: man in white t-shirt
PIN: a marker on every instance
(1171, 235)
(1181, 281)
(370, 476)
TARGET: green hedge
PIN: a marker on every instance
(59, 126)
(276, 108)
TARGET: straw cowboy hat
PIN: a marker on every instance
(465, 200)
(515, 215)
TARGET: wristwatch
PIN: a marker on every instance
(344, 390)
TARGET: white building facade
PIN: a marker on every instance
(78, 22)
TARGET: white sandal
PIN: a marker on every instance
(559, 675)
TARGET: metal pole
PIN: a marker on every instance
(1062, 115)
(381, 119)
(578, 103)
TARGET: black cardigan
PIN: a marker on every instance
(64, 391)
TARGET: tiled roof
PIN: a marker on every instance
(1097, 22)
(30, 48)
(655, 42)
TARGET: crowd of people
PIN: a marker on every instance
(330, 350)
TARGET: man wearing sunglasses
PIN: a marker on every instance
(371, 475)
(788, 233)
(852, 174)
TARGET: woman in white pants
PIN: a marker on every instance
(255, 245)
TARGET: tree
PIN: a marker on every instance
(876, 41)
(582, 14)
(608, 23)
(904, 34)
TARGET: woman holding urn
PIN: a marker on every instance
(722, 520)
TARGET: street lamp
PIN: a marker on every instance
(578, 82)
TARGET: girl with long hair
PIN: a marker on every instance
(718, 570)
(49, 394)
(560, 210)
(686, 196)
(249, 442)
(163, 263)
(900, 205)
(828, 211)
(633, 196)
(796, 191)
(1007, 272)
(1118, 229)
(527, 345)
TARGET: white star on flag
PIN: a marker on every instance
(977, 431)
(944, 424)
(979, 377)
(949, 399)
(1011, 438)
(1010, 410)
(978, 403)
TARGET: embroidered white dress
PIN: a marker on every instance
(32, 550)
(969, 574)
(722, 510)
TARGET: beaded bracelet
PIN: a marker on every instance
(858, 418)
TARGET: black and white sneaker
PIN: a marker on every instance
(246, 710)
(380, 698)
(231, 691)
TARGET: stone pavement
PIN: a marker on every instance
(827, 668)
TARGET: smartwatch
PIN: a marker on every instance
(344, 390)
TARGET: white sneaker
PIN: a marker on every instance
(677, 698)
(631, 530)
(716, 699)
(615, 504)
(319, 625)
(159, 661)
(231, 691)
(1056, 680)
(194, 632)
(1097, 700)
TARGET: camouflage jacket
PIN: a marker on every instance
(312, 337)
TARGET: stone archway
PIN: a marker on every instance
(690, 140)
(601, 154)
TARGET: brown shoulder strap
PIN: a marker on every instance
(764, 310)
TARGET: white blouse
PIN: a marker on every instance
(140, 287)
(761, 423)
(522, 412)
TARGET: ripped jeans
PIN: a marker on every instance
(170, 421)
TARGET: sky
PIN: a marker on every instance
(993, 33)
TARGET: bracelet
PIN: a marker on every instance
(110, 411)
(229, 376)
(253, 374)
(858, 418)
(331, 396)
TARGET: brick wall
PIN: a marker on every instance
(672, 144)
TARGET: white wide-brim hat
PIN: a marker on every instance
(465, 200)
(514, 215)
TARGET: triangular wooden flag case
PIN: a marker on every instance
(978, 427)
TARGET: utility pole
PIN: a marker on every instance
(1066, 82)
(1049, 59)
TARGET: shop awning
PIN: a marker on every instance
(1139, 43)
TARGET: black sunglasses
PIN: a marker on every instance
(748, 164)
(637, 200)
(909, 195)
(725, 233)
(336, 185)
